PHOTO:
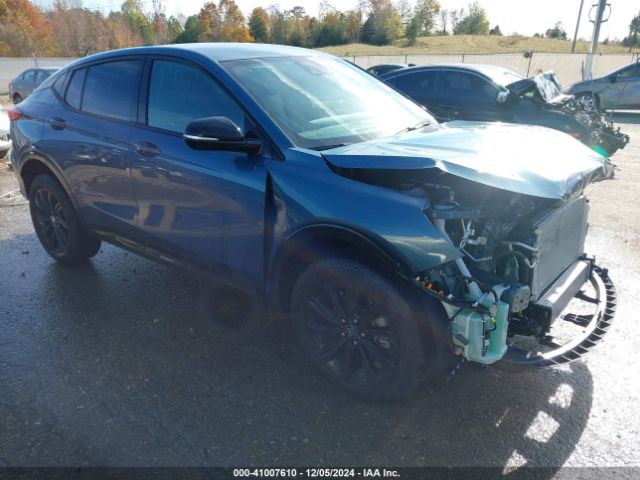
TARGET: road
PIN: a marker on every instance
(124, 362)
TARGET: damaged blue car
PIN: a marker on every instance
(400, 248)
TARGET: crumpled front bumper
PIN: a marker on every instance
(595, 326)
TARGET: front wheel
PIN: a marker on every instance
(589, 101)
(56, 223)
(358, 328)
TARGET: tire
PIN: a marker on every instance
(56, 222)
(358, 328)
(589, 101)
(17, 98)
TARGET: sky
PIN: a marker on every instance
(522, 16)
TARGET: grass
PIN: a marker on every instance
(473, 44)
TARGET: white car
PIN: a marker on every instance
(5, 141)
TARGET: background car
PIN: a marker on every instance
(619, 89)
(488, 93)
(385, 68)
(25, 83)
(5, 141)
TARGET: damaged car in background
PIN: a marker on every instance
(488, 93)
(398, 247)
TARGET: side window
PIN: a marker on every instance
(111, 89)
(421, 86)
(42, 75)
(29, 76)
(633, 72)
(465, 86)
(58, 84)
(179, 94)
(74, 90)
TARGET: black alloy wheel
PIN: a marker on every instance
(359, 329)
(56, 223)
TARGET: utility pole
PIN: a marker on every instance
(602, 4)
(575, 35)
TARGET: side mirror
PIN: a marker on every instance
(218, 133)
(613, 78)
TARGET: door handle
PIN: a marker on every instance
(57, 123)
(147, 149)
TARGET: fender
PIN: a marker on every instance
(32, 154)
(325, 232)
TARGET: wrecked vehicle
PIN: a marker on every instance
(398, 247)
(489, 93)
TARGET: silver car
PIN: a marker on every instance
(25, 83)
(619, 89)
(5, 142)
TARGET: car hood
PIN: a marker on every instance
(530, 160)
(546, 84)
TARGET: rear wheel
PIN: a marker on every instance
(589, 101)
(17, 98)
(56, 223)
(358, 328)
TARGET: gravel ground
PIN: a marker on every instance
(123, 362)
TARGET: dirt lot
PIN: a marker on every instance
(122, 362)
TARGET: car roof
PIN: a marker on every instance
(493, 72)
(218, 52)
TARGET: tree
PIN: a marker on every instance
(634, 30)
(352, 26)
(24, 30)
(426, 12)
(278, 25)
(210, 23)
(456, 16)
(495, 31)
(444, 21)
(192, 30)
(234, 28)
(557, 31)
(259, 25)
(136, 19)
(412, 30)
(475, 22)
(382, 26)
(78, 31)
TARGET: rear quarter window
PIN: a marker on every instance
(74, 90)
(111, 89)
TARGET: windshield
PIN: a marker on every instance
(322, 101)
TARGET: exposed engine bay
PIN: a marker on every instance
(514, 227)
(546, 89)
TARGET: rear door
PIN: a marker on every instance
(199, 206)
(87, 134)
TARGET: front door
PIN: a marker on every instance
(206, 207)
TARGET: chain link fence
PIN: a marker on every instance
(567, 66)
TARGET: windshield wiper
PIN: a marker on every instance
(329, 147)
(417, 126)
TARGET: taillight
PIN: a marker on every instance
(14, 114)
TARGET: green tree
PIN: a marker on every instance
(259, 25)
(557, 31)
(412, 30)
(495, 31)
(381, 26)
(475, 22)
(137, 20)
(192, 30)
(426, 12)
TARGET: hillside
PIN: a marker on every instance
(473, 44)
